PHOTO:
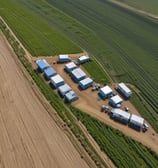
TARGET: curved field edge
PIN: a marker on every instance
(105, 136)
(145, 5)
(118, 42)
(36, 35)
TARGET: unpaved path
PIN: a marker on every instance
(124, 5)
(29, 138)
(89, 102)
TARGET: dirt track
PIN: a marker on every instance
(88, 102)
(124, 5)
(29, 138)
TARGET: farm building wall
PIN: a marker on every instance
(115, 101)
(78, 75)
(120, 115)
(105, 92)
(64, 58)
(64, 89)
(49, 72)
(70, 96)
(136, 122)
(70, 66)
(83, 59)
(57, 81)
(42, 65)
(85, 83)
(124, 90)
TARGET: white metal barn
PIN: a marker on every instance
(136, 122)
(78, 74)
(116, 101)
(85, 83)
(71, 96)
(105, 92)
(57, 81)
(70, 66)
(120, 115)
(64, 89)
(124, 90)
(83, 59)
(42, 65)
(64, 58)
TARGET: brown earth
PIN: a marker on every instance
(90, 102)
(29, 137)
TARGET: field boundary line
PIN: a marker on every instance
(124, 5)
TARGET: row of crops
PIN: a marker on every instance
(123, 151)
(54, 100)
(125, 43)
(128, 153)
(37, 35)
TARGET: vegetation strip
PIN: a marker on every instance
(124, 151)
(37, 35)
(53, 99)
(125, 50)
(128, 153)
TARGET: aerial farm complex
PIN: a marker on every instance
(114, 97)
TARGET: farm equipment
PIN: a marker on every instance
(105, 108)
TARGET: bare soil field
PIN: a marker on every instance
(91, 103)
(29, 137)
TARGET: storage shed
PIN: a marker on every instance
(70, 96)
(136, 122)
(124, 90)
(57, 81)
(105, 92)
(115, 101)
(78, 75)
(64, 89)
(42, 65)
(49, 72)
(85, 83)
(70, 66)
(120, 115)
(83, 59)
(64, 58)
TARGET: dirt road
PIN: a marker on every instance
(29, 138)
(90, 102)
(124, 5)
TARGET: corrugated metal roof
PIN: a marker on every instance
(121, 113)
(124, 87)
(78, 73)
(64, 56)
(86, 81)
(83, 58)
(71, 65)
(50, 71)
(116, 99)
(71, 95)
(137, 119)
(64, 88)
(56, 79)
(42, 64)
(106, 90)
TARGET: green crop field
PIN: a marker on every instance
(123, 151)
(125, 43)
(146, 5)
(37, 35)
